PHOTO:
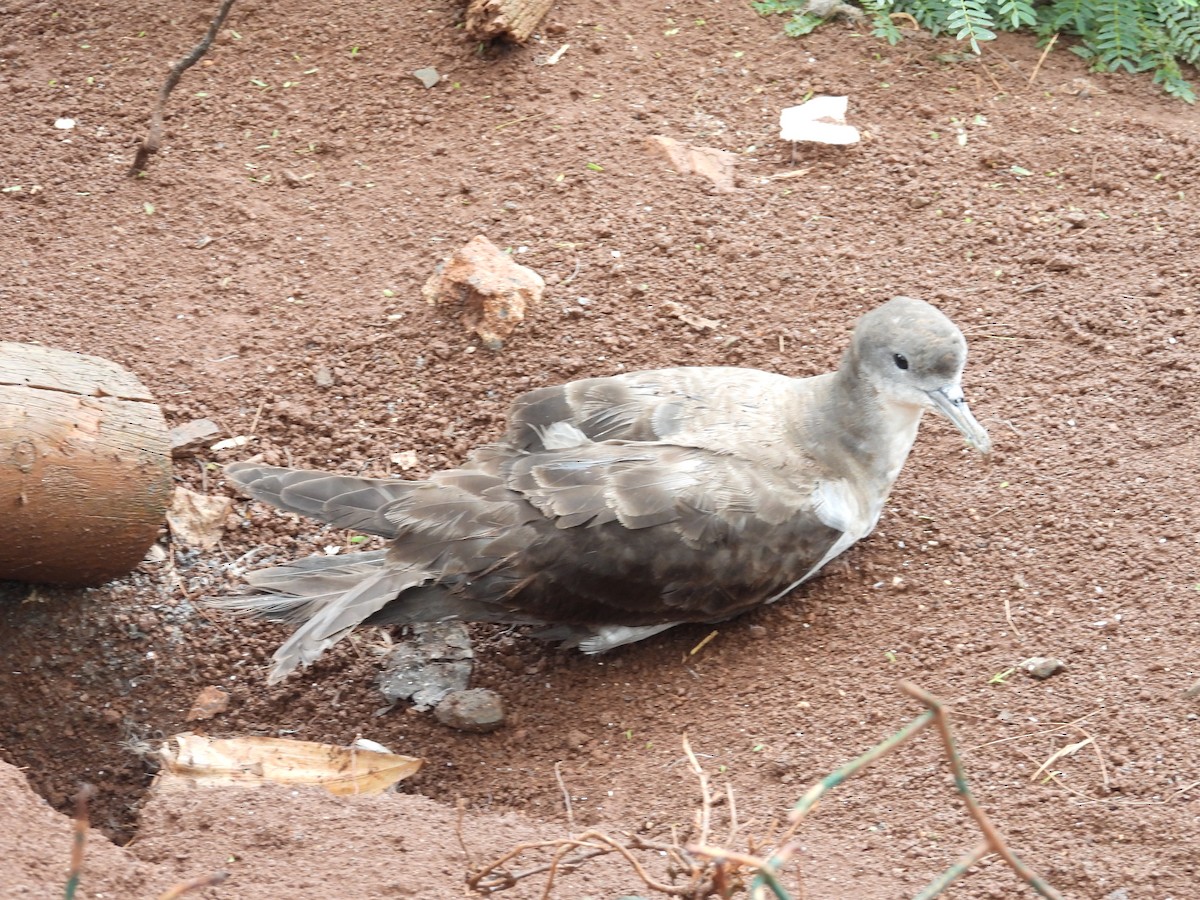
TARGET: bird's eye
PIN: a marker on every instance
(901, 362)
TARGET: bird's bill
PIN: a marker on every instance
(951, 403)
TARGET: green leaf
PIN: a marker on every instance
(800, 25)
(1131, 36)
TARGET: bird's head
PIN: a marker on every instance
(913, 355)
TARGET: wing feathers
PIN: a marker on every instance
(341, 500)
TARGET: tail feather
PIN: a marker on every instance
(326, 596)
(342, 500)
(338, 617)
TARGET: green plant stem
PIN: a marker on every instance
(990, 833)
(955, 872)
(832, 780)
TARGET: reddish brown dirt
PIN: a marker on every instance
(1076, 282)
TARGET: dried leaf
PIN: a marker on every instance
(821, 120)
(708, 162)
(200, 760)
(1069, 750)
(197, 520)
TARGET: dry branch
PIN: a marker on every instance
(153, 140)
(717, 870)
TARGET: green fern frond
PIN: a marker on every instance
(882, 24)
(930, 14)
(1118, 39)
(1182, 25)
(776, 7)
(1069, 16)
(1130, 35)
(801, 24)
(970, 21)
(1012, 15)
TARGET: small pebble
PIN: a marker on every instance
(323, 377)
(477, 709)
(1042, 667)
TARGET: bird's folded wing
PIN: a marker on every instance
(727, 410)
(641, 485)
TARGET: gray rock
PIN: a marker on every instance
(1042, 667)
(428, 76)
(475, 710)
(432, 660)
(190, 438)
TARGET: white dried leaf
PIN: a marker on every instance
(821, 120)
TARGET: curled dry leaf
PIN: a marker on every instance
(194, 759)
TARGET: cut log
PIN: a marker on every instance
(509, 20)
(85, 467)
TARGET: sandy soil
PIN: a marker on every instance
(308, 185)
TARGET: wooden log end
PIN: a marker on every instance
(85, 467)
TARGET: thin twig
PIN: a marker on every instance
(991, 77)
(153, 141)
(704, 816)
(1009, 618)
(574, 272)
(566, 799)
(257, 417)
(1057, 726)
(458, 830)
(504, 125)
(78, 839)
(733, 819)
(955, 872)
(195, 884)
(553, 871)
(814, 794)
(719, 872)
(569, 864)
(1050, 728)
(1041, 59)
(994, 839)
(477, 881)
